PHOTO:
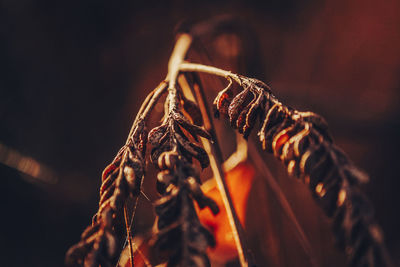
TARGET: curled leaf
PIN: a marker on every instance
(237, 105)
(193, 110)
(157, 134)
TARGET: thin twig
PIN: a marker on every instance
(128, 234)
(130, 225)
(147, 106)
(146, 197)
(145, 260)
(182, 45)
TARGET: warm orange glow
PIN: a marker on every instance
(280, 141)
(140, 254)
(341, 197)
(320, 190)
(307, 179)
(239, 181)
(291, 166)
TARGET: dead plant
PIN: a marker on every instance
(299, 139)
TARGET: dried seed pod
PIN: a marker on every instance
(168, 208)
(289, 150)
(194, 130)
(109, 169)
(98, 245)
(237, 105)
(164, 179)
(275, 119)
(178, 221)
(109, 180)
(222, 101)
(355, 175)
(157, 134)
(251, 116)
(167, 160)
(198, 194)
(201, 156)
(318, 123)
(193, 110)
(312, 159)
(329, 201)
(281, 138)
(241, 120)
(194, 151)
(164, 145)
(302, 143)
(272, 132)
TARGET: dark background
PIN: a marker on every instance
(73, 73)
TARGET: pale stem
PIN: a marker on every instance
(182, 45)
(147, 106)
(193, 67)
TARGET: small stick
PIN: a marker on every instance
(128, 233)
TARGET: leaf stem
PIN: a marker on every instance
(147, 106)
(182, 45)
(194, 67)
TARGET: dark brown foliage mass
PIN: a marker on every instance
(301, 141)
(101, 242)
(180, 233)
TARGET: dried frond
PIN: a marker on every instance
(301, 141)
(121, 179)
(101, 242)
(180, 233)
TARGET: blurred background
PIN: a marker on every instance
(73, 75)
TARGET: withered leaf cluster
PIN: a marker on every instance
(181, 239)
(302, 142)
(299, 139)
(101, 242)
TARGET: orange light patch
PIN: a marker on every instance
(341, 197)
(320, 190)
(239, 181)
(281, 140)
(110, 168)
